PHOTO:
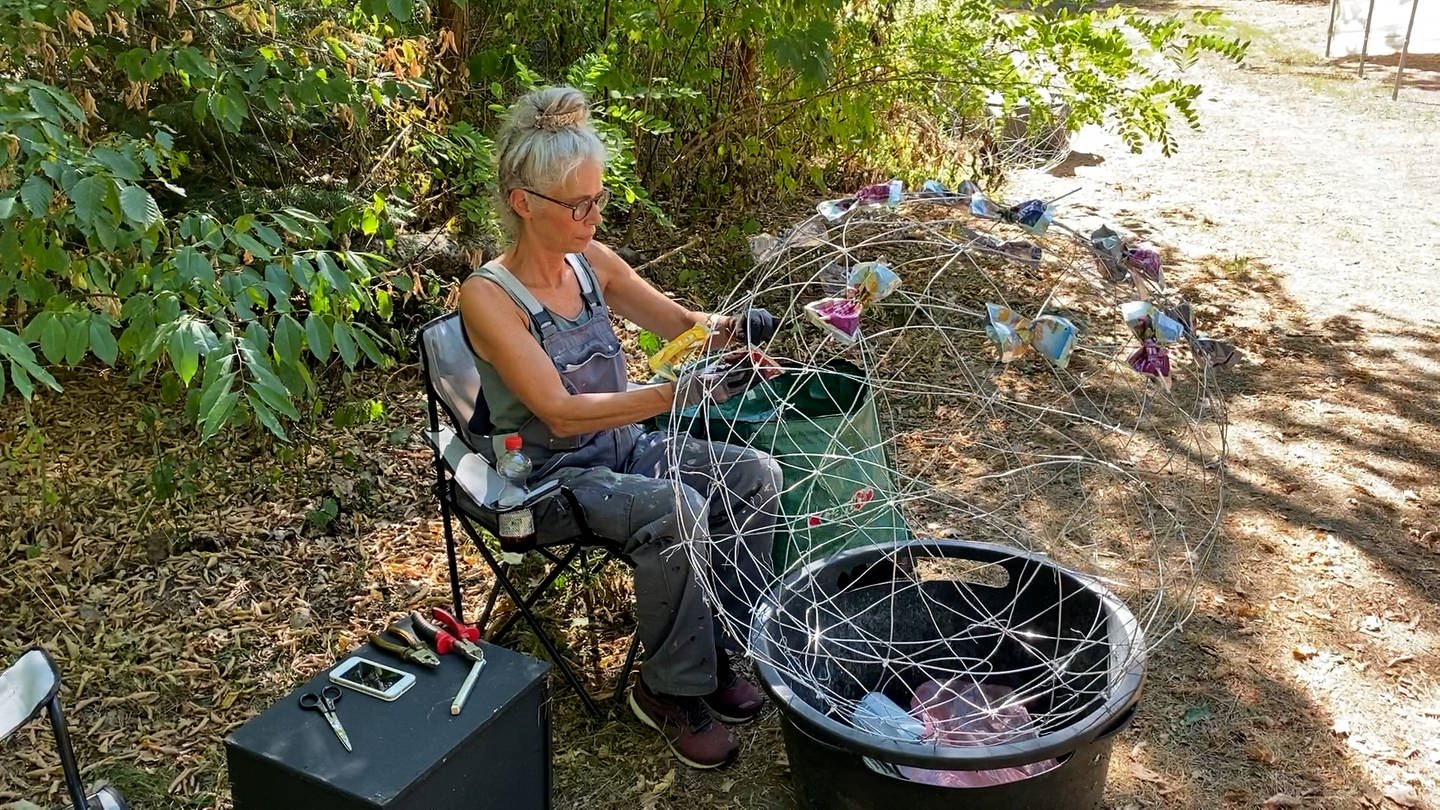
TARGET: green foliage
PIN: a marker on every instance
(119, 241)
(761, 99)
(202, 194)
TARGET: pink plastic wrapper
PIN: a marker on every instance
(962, 712)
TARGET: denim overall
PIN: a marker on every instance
(620, 479)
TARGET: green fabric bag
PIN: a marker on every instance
(822, 426)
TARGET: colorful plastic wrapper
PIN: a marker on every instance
(890, 194)
(808, 234)
(1032, 215)
(840, 317)
(1149, 323)
(1054, 338)
(1151, 358)
(1109, 253)
(982, 206)
(1008, 331)
(935, 188)
(871, 281)
(1145, 260)
(836, 209)
(964, 712)
(1207, 350)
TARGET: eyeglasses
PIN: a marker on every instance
(580, 210)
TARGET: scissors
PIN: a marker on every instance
(324, 703)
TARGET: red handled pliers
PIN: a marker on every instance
(452, 635)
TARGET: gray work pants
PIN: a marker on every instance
(729, 495)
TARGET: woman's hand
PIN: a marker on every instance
(755, 326)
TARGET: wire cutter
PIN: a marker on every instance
(453, 635)
(412, 649)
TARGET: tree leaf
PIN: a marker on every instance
(288, 339)
(400, 9)
(21, 380)
(77, 340)
(140, 207)
(252, 244)
(193, 266)
(345, 344)
(52, 338)
(369, 346)
(102, 339)
(218, 415)
(265, 416)
(276, 399)
(317, 333)
(331, 272)
(36, 193)
(215, 387)
(184, 351)
(88, 195)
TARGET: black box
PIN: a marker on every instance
(410, 754)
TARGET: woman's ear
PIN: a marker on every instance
(520, 203)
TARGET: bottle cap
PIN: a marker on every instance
(513, 443)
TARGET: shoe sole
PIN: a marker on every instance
(645, 718)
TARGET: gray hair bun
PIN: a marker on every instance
(555, 109)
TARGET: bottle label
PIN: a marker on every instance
(517, 524)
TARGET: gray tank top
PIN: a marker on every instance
(585, 351)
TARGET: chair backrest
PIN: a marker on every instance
(25, 687)
(450, 375)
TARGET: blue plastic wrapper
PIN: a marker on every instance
(1054, 338)
(1032, 215)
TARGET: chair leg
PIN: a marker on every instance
(624, 676)
(490, 600)
(458, 608)
(558, 566)
(523, 605)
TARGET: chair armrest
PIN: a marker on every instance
(476, 476)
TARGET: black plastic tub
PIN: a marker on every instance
(886, 618)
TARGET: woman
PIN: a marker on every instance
(538, 321)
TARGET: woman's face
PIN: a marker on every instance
(555, 224)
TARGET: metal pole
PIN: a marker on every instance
(1404, 48)
(1330, 34)
(1365, 43)
(73, 785)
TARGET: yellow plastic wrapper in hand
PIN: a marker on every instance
(671, 355)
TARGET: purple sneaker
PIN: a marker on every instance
(736, 700)
(692, 734)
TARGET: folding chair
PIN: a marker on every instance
(30, 684)
(467, 486)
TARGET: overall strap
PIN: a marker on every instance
(539, 316)
(589, 282)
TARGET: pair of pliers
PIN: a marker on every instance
(452, 635)
(408, 648)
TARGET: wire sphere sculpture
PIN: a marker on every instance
(955, 369)
(1026, 135)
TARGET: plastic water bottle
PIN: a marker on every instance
(881, 716)
(517, 523)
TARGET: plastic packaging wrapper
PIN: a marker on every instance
(962, 712)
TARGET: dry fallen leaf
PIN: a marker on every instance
(1304, 652)
(1279, 801)
(1145, 774)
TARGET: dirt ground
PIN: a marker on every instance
(185, 589)
(1304, 219)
